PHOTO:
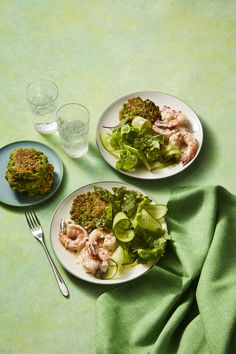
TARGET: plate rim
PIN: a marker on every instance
(133, 174)
(44, 198)
(96, 280)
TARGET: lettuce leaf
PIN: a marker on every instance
(139, 144)
(150, 236)
(153, 252)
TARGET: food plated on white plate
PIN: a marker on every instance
(109, 232)
(149, 135)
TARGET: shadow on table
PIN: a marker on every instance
(93, 290)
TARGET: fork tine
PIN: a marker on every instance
(36, 219)
(27, 219)
(31, 219)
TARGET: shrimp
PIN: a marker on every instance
(163, 130)
(90, 264)
(102, 238)
(104, 256)
(95, 255)
(172, 119)
(171, 122)
(187, 144)
(72, 236)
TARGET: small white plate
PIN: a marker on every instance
(69, 260)
(110, 117)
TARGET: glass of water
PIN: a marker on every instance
(42, 97)
(73, 126)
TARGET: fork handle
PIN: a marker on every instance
(60, 281)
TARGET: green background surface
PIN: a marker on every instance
(97, 51)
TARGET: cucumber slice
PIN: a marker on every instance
(147, 221)
(122, 227)
(111, 271)
(125, 236)
(115, 263)
(118, 256)
(105, 140)
(121, 220)
(157, 211)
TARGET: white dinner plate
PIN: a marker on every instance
(70, 260)
(17, 199)
(110, 117)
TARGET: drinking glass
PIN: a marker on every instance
(42, 97)
(73, 126)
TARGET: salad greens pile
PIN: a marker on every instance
(135, 143)
(137, 224)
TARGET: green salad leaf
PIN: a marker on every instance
(136, 222)
(135, 144)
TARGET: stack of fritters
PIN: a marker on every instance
(29, 171)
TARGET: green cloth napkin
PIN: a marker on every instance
(187, 303)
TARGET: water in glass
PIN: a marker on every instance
(44, 113)
(74, 135)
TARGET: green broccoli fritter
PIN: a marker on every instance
(88, 210)
(46, 183)
(21, 184)
(138, 107)
(29, 171)
(27, 163)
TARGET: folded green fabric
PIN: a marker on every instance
(187, 303)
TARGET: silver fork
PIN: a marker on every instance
(37, 231)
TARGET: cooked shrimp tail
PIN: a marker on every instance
(72, 236)
(163, 130)
(95, 256)
(63, 226)
(187, 144)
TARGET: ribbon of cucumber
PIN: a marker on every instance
(116, 261)
(122, 227)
